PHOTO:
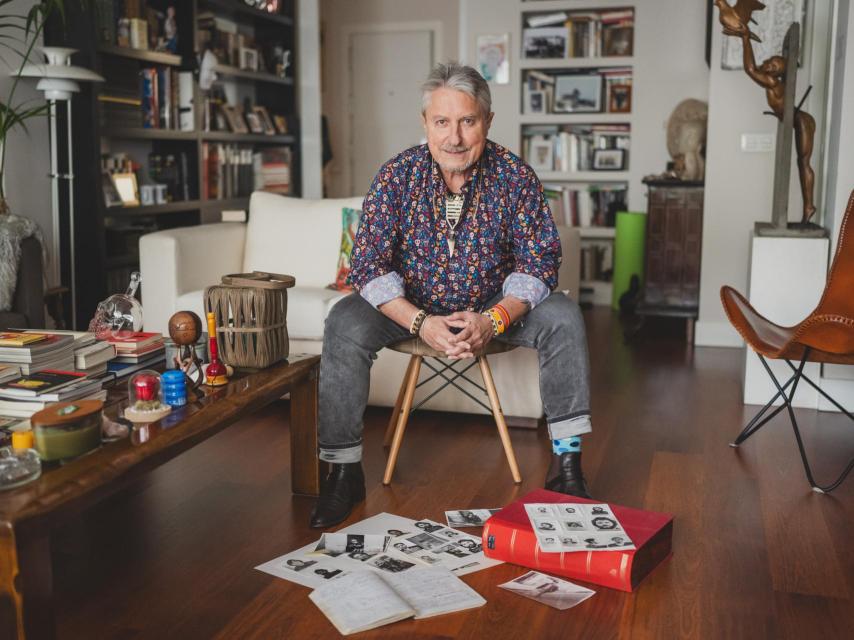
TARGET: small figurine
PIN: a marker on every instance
(216, 373)
(170, 30)
(185, 328)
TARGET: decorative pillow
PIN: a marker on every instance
(349, 226)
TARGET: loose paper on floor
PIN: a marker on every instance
(577, 527)
(413, 544)
(469, 517)
(549, 590)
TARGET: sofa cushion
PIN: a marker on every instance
(307, 311)
(295, 236)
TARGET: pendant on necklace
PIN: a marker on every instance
(451, 242)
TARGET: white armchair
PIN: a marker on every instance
(302, 238)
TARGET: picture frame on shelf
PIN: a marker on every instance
(609, 159)
(111, 194)
(545, 43)
(618, 41)
(248, 59)
(620, 98)
(234, 117)
(535, 102)
(541, 153)
(281, 123)
(126, 187)
(576, 93)
(268, 128)
(254, 122)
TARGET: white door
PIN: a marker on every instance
(386, 71)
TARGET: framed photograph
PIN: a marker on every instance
(234, 116)
(281, 123)
(620, 98)
(609, 159)
(111, 194)
(220, 119)
(248, 58)
(618, 41)
(125, 184)
(541, 153)
(493, 58)
(578, 93)
(254, 122)
(536, 102)
(545, 42)
(266, 122)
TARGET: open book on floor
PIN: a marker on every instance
(364, 600)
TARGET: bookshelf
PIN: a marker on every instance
(208, 164)
(575, 119)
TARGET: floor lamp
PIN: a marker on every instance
(59, 79)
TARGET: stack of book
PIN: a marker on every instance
(90, 355)
(135, 351)
(29, 394)
(33, 352)
(273, 170)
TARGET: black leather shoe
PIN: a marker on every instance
(565, 475)
(344, 487)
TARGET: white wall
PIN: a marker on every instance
(28, 153)
(308, 95)
(738, 184)
(338, 15)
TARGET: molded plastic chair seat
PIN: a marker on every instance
(417, 347)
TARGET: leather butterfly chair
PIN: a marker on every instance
(825, 336)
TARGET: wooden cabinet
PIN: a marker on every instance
(674, 236)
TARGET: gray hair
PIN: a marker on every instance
(454, 75)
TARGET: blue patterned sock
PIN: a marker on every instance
(567, 445)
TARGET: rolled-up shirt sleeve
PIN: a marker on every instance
(371, 261)
(536, 244)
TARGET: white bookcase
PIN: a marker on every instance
(574, 43)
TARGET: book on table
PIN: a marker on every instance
(508, 535)
(19, 338)
(93, 355)
(49, 347)
(133, 340)
(35, 384)
(364, 600)
(80, 338)
(9, 372)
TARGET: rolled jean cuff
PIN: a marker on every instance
(341, 456)
(579, 425)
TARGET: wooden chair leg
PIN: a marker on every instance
(411, 383)
(489, 383)
(395, 414)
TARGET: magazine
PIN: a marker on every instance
(577, 527)
(414, 544)
(365, 600)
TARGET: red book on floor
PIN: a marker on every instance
(509, 536)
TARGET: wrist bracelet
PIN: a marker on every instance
(505, 315)
(417, 321)
(493, 317)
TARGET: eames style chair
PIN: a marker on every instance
(825, 336)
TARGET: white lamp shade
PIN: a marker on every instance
(59, 66)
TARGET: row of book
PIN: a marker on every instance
(597, 261)
(152, 97)
(232, 171)
(40, 367)
(574, 205)
(573, 148)
(579, 34)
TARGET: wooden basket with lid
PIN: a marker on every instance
(251, 310)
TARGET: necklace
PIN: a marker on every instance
(453, 210)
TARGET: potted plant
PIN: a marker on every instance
(19, 34)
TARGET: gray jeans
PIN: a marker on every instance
(355, 331)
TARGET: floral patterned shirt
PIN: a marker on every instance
(506, 239)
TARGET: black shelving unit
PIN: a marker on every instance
(106, 238)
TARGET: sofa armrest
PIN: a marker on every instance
(177, 261)
(569, 274)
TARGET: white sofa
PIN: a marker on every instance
(302, 238)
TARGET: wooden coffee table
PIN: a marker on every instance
(28, 513)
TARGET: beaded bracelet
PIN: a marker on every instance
(417, 321)
(498, 325)
(505, 315)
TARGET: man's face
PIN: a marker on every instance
(456, 129)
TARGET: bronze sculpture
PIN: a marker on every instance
(771, 75)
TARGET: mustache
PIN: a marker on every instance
(450, 148)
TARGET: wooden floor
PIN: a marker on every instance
(756, 553)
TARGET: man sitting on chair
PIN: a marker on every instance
(457, 246)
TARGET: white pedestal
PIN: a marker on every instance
(786, 280)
